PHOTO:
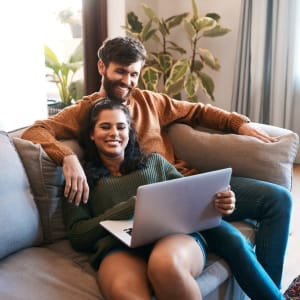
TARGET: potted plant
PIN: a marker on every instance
(62, 74)
(173, 69)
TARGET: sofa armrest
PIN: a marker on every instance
(209, 150)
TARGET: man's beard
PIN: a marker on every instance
(111, 85)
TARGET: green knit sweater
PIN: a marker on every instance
(112, 198)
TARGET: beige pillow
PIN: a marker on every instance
(248, 156)
(47, 183)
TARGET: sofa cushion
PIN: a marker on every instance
(47, 183)
(40, 273)
(19, 218)
(248, 156)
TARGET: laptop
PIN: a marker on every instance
(182, 205)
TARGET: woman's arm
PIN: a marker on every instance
(84, 230)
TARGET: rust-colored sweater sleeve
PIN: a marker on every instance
(65, 125)
(171, 110)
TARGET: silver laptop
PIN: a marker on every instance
(182, 205)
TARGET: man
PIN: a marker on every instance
(120, 63)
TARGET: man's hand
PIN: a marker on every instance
(76, 188)
(225, 202)
(247, 129)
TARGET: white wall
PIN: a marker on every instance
(223, 47)
(22, 75)
(116, 14)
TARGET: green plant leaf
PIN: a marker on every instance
(175, 81)
(134, 24)
(203, 22)
(150, 13)
(165, 62)
(162, 26)
(189, 29)
(218, 30)
(150, 77)
(145, 36)
(175, 20)
(207, 85)
(178, 71)
(195, 10)
(214, 16)
(191, 84)
(208, 58)
(147, 32)
(174, 88)
(198, 65)
(51, 60)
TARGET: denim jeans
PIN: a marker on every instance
(259, 274)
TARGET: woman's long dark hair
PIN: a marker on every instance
(134, 157)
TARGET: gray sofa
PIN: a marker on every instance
(36, 260)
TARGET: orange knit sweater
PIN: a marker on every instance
(151, 114)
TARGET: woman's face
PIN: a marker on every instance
(111, 133)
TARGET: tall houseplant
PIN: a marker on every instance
(166, 72)
(62, 74)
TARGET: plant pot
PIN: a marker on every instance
(54, 107)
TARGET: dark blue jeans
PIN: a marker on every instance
(259, 275)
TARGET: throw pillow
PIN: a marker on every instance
(249, 157)
(47, 183)
(19, 217)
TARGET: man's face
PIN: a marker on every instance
(119, 80)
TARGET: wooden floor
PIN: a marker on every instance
(292, 261)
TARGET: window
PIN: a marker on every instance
(63, 38)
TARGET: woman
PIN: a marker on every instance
(115, 167)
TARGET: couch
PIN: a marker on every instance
(36, 259)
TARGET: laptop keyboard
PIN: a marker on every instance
(128, 230)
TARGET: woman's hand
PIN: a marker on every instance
(225, 202)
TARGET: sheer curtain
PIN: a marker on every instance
(267, 78)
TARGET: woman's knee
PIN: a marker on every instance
(171, 260)
(127, 280)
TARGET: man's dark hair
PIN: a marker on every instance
(134, 157)
(122, 50)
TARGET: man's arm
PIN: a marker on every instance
(48, 133)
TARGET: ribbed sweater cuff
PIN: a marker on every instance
(124, 210)
(237, 120)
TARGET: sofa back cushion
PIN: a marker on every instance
(248, 157)
(19, 217)
(47, 183)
